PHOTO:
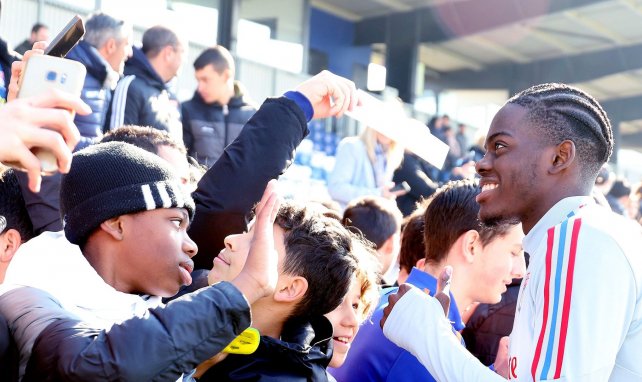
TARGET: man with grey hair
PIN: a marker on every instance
(142, 97)
(105, 47)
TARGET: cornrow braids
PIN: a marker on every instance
(565, 112)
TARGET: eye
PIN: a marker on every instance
(356, 306)
(499, 145)
(178, 222)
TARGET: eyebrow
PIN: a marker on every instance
(495, 135)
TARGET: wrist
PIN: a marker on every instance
(302, 101)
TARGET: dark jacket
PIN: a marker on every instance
(6, 59)
(229, 189)
(489, 323)
(8, 354)
(23, 47)
(209, 128)
(162, 345)
(141, 98)
(414, 171)
(96, 93)
(302, 355)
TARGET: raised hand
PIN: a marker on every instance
(329, 94)
(259, 275)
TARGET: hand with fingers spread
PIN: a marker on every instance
(329, 94)
(42, 122)
(260, 273)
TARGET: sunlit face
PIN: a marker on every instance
(156, 258)
(345, 320)
(230, 261)
(500, 261)
(513, 171)
(214, 86)
(122, 51)
(41, 35)
(178, 161)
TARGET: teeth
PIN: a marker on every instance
(488, 187)
(345, 340)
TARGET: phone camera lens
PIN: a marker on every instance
(63, 78)
(51, 76)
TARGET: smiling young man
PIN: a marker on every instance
(545, 148)
(485, 258)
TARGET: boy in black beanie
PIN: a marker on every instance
(132, 233)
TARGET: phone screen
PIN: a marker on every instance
(67, 38)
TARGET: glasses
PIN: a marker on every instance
(3, 224)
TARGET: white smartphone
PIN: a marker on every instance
(42, 73)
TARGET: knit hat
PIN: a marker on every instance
(110, 179)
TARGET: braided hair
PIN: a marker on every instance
(563, 112)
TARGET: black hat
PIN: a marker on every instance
(110, 179)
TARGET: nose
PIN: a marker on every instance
(483, 165)
(189, 247)
(231, 241)
(351, 319)
(519, 267)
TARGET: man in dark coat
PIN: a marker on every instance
(104, 49)
(214, 117)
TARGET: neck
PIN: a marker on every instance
(268, 318)
(102, 264)
(159, 68)
(543, 205)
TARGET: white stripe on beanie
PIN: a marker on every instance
(150, 204)
(162, 191)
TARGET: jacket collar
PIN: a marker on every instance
(561, 211)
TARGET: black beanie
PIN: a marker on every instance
(110, 179)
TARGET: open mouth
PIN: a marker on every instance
(344, 340)
(486, 190)
(186, 272)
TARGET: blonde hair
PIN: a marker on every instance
(367, 274)
(394, 154)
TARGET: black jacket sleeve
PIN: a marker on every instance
(160, 346)
(229, 189)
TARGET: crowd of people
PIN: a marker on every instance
(162, 249)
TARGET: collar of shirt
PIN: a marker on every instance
(557, 214)
(425, 281)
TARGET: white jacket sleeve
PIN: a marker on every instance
(418, 324)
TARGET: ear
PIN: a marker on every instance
(469, 244)
(227, 74)
(167, 52)
(113, 227)
(388, 245)
(110, 46)
(9, 242)
(291, 290)
(420, 263)
(564, 156)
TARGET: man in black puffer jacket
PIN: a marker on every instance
(214, 117)
(141, 97)
(103, 51)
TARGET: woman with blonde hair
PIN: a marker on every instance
(364, 166)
